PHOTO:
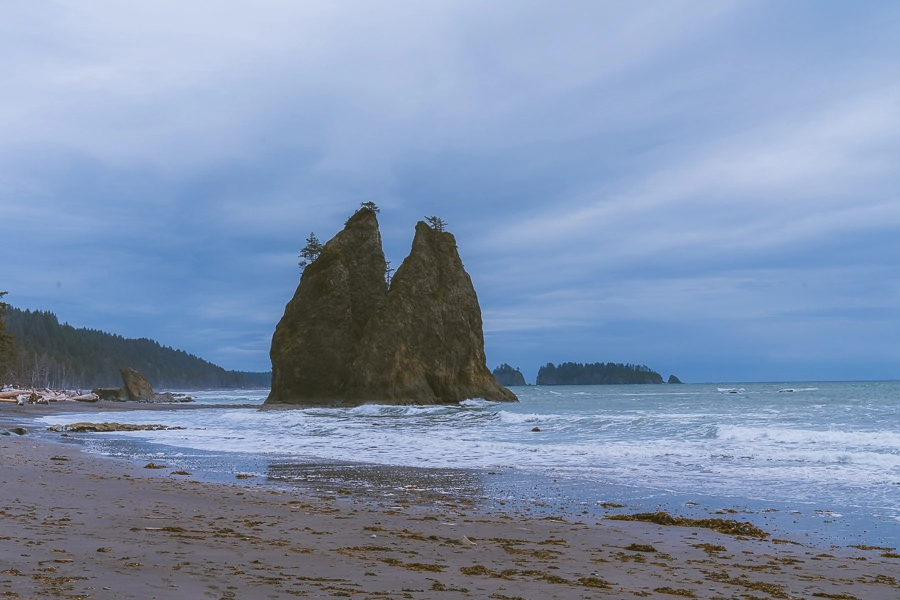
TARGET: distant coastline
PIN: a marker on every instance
(570, 373)
(50, 354)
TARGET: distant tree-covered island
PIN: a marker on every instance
(508, 376)
(569, 373)
(37, 350)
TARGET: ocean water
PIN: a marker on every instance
(816, 461)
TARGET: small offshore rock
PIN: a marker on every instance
(673, 379)
(535, 428)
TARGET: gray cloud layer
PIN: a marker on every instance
(706, 187)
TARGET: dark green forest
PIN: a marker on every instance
(569, 373)
(508, 376)
(53, 355)
(7, 343)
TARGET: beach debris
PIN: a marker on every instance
(180, 473)
(711, 549)
(21, 397)
(107, 427)
(466, 541)
(676, 592)
(594, 582)
(152, 465)
(726, 526)
(641, 548)
(15, 430)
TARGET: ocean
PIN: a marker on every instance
(815, 462)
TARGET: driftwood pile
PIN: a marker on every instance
(135, 388)
(45, 396)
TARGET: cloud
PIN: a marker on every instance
(617, 176)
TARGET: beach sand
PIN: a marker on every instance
(76, 525)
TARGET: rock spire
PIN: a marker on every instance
(346, 339)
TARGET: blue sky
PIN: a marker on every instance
(708, 188)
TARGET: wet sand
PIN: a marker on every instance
(74, 525)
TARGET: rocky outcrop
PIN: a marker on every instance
(115, 394)
(508, 376)
(673, 379)
(345, 339)
(426, 346)
(107, 427)
(135, 385)
(317, 340)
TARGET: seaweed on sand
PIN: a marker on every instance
(727, 526)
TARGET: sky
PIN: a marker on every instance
(709, 188)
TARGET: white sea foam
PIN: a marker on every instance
(830, 442)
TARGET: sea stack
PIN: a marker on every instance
(317, 340)
(347, 339)
(508, 376)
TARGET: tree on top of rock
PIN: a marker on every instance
(370, 206)
(310, 251)
(436, 223)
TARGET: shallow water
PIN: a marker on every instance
(823, 459)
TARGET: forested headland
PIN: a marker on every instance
(569, 373)
(42, 352)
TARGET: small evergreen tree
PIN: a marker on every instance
(370, 206)
(310, 251)
(436, 223)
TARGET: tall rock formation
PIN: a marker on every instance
(317, 339)
(426, 345)
(345, 339)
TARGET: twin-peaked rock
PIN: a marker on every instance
(346, 339)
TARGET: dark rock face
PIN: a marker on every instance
(110, 394)
(136, 386)
(506, 375)
(426, 345)
(317, 339)
(346, 340)
(673, 379)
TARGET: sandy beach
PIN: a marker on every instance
(76, 525)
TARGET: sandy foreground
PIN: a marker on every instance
(74, 525)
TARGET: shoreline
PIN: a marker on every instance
(75, 523)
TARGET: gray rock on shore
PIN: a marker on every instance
(136, 388)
